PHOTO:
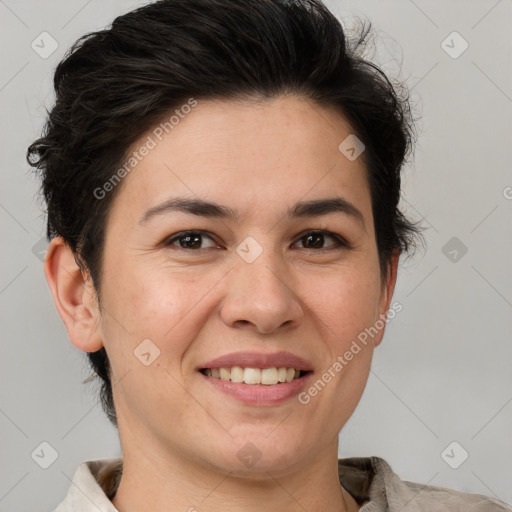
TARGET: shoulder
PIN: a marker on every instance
(92, 487)
(373, 483)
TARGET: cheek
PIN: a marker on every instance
(347, 301)
(346, 308)
(167, 306)
(156, 315)
(148, 305)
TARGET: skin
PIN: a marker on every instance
(179, 436)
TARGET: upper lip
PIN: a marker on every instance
(258, 360)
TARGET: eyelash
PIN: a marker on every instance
(341, 243)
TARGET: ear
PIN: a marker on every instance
(387, 289)
(74, 296)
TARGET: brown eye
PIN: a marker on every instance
(314, 240)
(188, 240)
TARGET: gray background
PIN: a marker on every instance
(442, 373)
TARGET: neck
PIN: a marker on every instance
(170, 482)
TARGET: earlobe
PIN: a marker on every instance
(73, 295)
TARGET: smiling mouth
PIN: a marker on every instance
(254, 376)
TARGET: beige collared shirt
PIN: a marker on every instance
(370, 480)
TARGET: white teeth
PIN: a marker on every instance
(252, 375)
(269, 376)
(224, 374)
(265, 376)
(237, 374)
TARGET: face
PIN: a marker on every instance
(258, 281)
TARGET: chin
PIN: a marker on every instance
(255, 455)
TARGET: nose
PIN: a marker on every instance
(261, 297)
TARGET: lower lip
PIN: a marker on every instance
(260, 394)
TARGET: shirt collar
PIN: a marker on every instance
(95, 482)
(370, 480)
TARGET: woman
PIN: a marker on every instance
(222, 181)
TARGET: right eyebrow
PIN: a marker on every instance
(193, 206)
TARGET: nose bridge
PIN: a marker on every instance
(262, 265)
(259, 290)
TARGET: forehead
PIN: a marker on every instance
(251, 156)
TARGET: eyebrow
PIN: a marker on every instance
(313, 208)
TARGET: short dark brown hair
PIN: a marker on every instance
(115, 84)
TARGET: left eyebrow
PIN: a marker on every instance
(318, 207)
(313, 208)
